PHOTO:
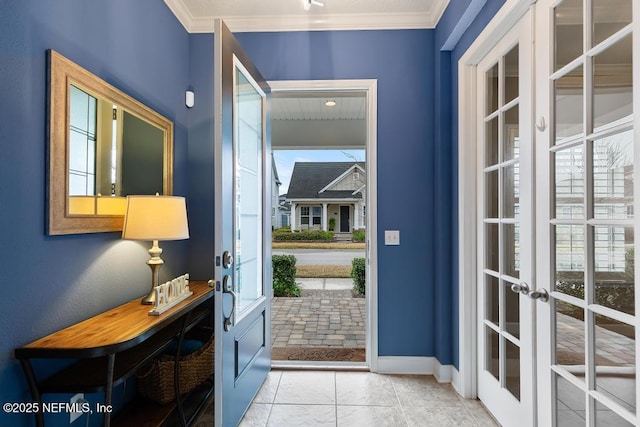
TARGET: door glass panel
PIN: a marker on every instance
(511, 134)
(570, 403)
(614, 268)
(613, 75)
(491, 142)
(569, 327)
(512, 368)
(569, 99)
(568, 23)
(511, 310)
(511, 190)
(511, 76)
(493, 352)
(492, 241)
(492, 90)
(491, 194)
(615, 361)
(569, 183)
(511, 251)
(492, 299)
(248, 191)
(569, 258)
(610, 16)
(607, 418)
(613, 176)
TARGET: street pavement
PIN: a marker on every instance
(321, 256)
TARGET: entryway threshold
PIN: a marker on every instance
(288, 365)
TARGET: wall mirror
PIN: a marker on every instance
(103, 146)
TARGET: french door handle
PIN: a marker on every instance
(227, 288)
(540, 294)
(521, 287)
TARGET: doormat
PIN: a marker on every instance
(318, 354)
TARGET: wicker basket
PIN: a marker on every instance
(156, 382)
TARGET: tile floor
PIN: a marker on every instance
(328, 398)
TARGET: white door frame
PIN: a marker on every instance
(370, 86)
(466, 380)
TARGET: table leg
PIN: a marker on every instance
(33, 388)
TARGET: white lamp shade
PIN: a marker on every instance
(155, 218)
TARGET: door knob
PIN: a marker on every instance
(540, 294)
(521, 287)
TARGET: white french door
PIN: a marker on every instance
(505, 228)
(587, 146)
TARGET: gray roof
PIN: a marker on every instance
(308, 178)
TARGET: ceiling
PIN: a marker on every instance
(289, 15)
(300, 120)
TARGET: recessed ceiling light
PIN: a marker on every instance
(307, 4)
(330, 103)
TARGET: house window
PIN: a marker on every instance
(317, 215)
(356, 176)
(304, 215)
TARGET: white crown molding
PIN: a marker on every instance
(276, 23)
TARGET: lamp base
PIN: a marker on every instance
(155, 262)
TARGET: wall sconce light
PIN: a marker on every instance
(189, 98)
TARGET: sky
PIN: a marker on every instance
(285, 159)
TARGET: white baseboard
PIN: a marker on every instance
(415, 365)
(455, 380)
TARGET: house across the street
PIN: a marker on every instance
(328, 195)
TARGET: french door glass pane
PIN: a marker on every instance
(491, 194)
(492, 359)
(614, 268)
(511, 134)
(491, 142)
(609, 16)
(512, 355)
(248, 192)
(511, 190)
(492, 290)
(569, 327)
(569, 183)
(615, 373)
(511, 250)
(492, 90)
(613, 176)
(511, 310)
(569, 99)
(511, 78)
(569, 255)
(492, 241)
(570, 403)
(605, 417)
(568, 23)
(613, 75)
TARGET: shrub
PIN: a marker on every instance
(332, 224)
(284, 229)
(313, 235)
(284, 276)
(358, 269)
(359, 235)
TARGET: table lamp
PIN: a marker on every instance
(155, 218)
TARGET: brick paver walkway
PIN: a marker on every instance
(319, 318)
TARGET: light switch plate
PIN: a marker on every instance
(392, 237)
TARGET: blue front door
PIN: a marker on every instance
(242, 229)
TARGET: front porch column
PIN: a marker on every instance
(293, 216)
(356, 217)
(325, 220)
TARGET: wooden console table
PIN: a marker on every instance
(111, 346)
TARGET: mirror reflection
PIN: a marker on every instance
(103, 146)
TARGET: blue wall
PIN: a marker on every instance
(51, 282)
(402, 62)
(460, 25)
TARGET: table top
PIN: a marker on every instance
(114, 330)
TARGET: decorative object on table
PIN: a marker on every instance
(155, 218)
(170, 293)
